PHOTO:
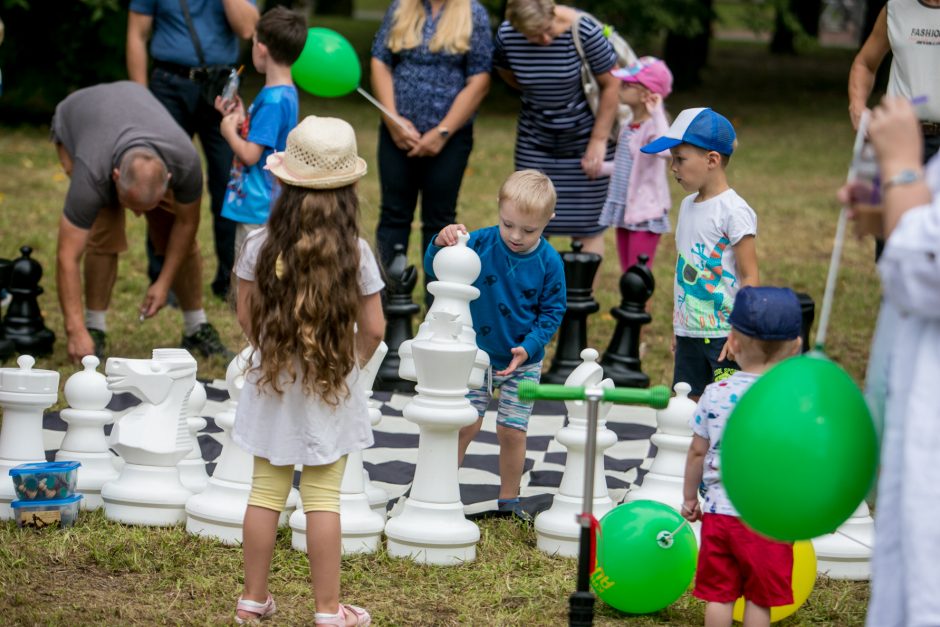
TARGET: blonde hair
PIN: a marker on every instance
(452, 34)
(530, 192)
(764, 351)
(304, 314)
(529, 16)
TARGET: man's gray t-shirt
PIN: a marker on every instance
(98, 124)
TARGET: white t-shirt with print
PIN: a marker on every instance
(706, 273)
(716, 404)
(293, 428)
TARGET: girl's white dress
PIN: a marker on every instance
(294, 428)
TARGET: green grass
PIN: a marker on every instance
(795, 140)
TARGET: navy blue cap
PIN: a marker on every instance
(700, 127)
(767, 313)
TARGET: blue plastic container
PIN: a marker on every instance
(44, 481)
(41, 514)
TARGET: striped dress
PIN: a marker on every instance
(555, 122)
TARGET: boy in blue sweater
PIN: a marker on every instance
(521, 304)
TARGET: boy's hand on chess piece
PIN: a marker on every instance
(448, 235)
(154, 300)
(691, 510)
(519, 355)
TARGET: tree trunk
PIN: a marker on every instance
(806, 13)
(687, 55)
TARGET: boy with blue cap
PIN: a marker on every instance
(715, 236)
(735, 561)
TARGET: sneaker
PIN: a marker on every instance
(514, 508)
(100, 338)
(206, 342)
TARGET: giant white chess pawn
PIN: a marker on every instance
(557, 529)
(24, 394)
(88, 395)
(361, 525)
(456, 268)
(432, 527)
(192, 468)
(152, 438)
(673, 436)
(219, 510)
(846, 554)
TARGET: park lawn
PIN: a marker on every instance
(794, 144)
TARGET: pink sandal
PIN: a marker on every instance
(260, 610)
(339, 619)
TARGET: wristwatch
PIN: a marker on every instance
(444, 131)
(904, 177)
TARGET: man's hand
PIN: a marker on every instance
(519, 355)
(154, 300)
(448, 235)
(80, 344)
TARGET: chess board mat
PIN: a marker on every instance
(390, 462)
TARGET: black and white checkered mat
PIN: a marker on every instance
(391, 460)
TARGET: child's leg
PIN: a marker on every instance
(718, 614)
(756, 615)
(512, 421)
(691, 365)
(480, 399)
(319, 493)
(632, 244)
(269, 488)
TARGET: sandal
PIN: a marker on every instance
(339, 619)
(261, 610)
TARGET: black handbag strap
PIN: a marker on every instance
(192, 33)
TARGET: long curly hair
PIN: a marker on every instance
(452, 34)
(308, 292)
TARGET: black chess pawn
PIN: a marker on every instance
(399, 307)
(621, 361)
(580, 268)
(808, 309)
(7, 347)
(23, 321)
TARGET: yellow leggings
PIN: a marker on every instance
(319, 485)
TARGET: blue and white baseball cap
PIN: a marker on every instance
(700, 127)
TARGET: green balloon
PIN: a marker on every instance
(328, 66)
(799, 450)
(643, 563)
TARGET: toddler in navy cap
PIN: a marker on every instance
(733, 560)
(715, 245)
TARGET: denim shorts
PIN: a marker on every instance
(511, 412)
(696, 362)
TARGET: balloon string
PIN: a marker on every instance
(845, 535)
(378, 105)
(678, 529)
(840, 238)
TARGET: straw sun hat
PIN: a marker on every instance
(321, 154)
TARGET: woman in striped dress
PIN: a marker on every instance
(557, 132)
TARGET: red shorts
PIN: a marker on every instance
(735, 561)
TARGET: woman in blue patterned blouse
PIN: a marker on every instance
(557, 133)
(431, 62)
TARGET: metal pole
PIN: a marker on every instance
(581, 602)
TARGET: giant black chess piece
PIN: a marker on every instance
(580, 268)
(7, 347)
(621, 361)
(23, 322)
(399, 310)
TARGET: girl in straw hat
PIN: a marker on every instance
(308, 300)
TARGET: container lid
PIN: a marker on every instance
(48, 504)
(34, 467)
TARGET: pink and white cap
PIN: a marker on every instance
(650, 72)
